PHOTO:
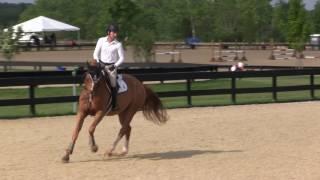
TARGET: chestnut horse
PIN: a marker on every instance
(95, 100)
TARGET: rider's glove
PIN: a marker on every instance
(112, 68)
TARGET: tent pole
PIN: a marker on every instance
(79, 37)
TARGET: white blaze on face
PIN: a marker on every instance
(92, 83)
(89, 83)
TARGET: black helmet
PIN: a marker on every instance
(112, 28)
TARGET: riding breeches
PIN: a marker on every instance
(112, 76)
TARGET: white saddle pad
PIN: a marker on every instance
(121, 84)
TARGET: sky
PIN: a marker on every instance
(309, 3)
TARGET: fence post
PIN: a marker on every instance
(172, 54)
(179, 56)
(312, 86)
(274, 88)
(189, 92)
(233, 90)
(31, 97)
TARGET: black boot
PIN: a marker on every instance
(114, 99)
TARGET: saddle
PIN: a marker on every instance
(121, 87)
(121, 84)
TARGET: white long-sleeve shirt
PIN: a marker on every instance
(109, 52)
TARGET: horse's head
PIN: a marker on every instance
(93, 75)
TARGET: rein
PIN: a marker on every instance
(99, 75)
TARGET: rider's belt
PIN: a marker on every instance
(106, 64)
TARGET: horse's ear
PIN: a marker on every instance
(87, 63)
(92, 62)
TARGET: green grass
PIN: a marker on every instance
(41, 109)
(13, 93)
(210, 100)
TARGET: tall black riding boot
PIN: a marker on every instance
(114, 98)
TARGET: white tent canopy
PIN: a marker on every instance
(44, 24)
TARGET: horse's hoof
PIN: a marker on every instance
(108, 153)
(65, 159)
(115, 154)
(94, 149)
(123, 153)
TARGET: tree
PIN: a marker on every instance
(280, 21)
(143, 45)
(297, 26)
(316, 17)
(201, 13)
(226, 20)
(248, 19)
(264, 20)
(136, 27)
(125, 13)
(9, 13)
(9, 43)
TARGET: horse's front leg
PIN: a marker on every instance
(80, 119)
(92, 143)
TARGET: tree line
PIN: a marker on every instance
(9, 13)
(168, 20)
(142, 22)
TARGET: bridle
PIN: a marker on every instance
(96, 74)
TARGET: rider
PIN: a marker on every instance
(109, 51)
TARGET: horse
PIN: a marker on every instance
(95, 100)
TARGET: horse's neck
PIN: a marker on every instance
(103, 85)
(92, 87)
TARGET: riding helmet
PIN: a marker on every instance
(112, 28)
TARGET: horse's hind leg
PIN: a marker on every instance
(98, 117)
(115, 143)
(125, 119)
(69, 150)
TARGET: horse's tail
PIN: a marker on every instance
(153, 109)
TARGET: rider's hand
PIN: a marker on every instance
(112, 68)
